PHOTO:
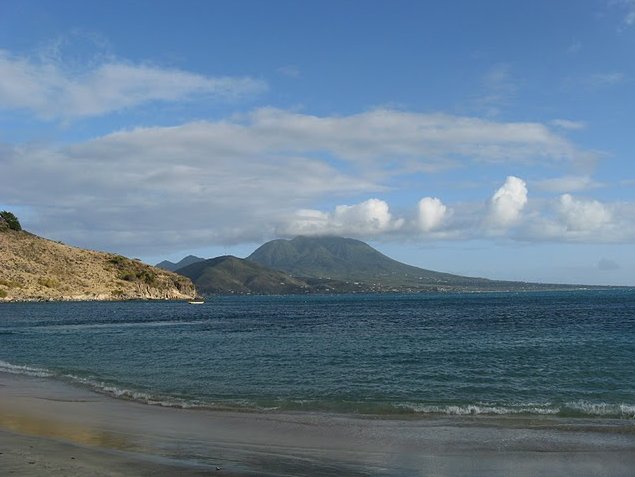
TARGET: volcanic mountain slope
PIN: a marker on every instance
(349, 260)
(228, 275)
(34, 268)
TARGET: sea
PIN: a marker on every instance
(567, 354)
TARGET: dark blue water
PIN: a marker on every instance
(567, 354)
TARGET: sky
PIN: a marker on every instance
(492, 138)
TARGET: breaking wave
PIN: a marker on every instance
(572, 409)
(24, 370)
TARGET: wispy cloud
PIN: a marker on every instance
(499, 88)
(627, 8)
(568, 124)
(291, 71)
(52, 90)
(603, 80)
(567, 184)
(574, 47)
(246, 178)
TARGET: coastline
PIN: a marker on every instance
(52, 428)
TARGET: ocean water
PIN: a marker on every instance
(569, 354)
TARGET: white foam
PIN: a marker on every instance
(622, 410)
(580, 408)
(128, 394)
(479, 409)
(24, 370)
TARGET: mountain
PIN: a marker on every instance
(228, 275)
(173, 267)
(34, 268)
(352, 261)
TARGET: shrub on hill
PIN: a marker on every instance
(11, 220)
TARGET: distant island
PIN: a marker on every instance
(328, 265)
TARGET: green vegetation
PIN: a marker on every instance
(336, 265)
(132, 270)
(11, 220)
(3, 294)
(351, 260)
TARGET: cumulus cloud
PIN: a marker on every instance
(508, 202)
(368, 218)
(51, 90)
(242, 178)
(583, 215)
(431, 213)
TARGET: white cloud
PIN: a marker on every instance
(241, 179)
(583, 215)
(508, 202)
(567, 184)
(432, 213)
(412, 141)
(568, 124)
(369, 218)
(51, 90)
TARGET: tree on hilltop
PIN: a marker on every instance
(11, 220)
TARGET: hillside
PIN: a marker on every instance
(228, 275)
(34, 268)
(172, 267)
(352, 261)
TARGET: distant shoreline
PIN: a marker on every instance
(547, 289)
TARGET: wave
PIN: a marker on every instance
(568, 409)
(571, 409)
(24, 370)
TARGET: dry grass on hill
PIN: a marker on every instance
(34, 268)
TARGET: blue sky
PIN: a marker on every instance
(490, 138)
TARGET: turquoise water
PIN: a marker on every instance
(566, 354)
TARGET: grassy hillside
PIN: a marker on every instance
(227, 274)
(34, 268)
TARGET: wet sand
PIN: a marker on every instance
(51, 428)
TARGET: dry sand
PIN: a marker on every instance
(54, 429)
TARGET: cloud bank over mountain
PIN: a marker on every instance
(256, 176)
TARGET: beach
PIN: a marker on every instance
(52, 428)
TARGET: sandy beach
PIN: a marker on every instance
(55, 429)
